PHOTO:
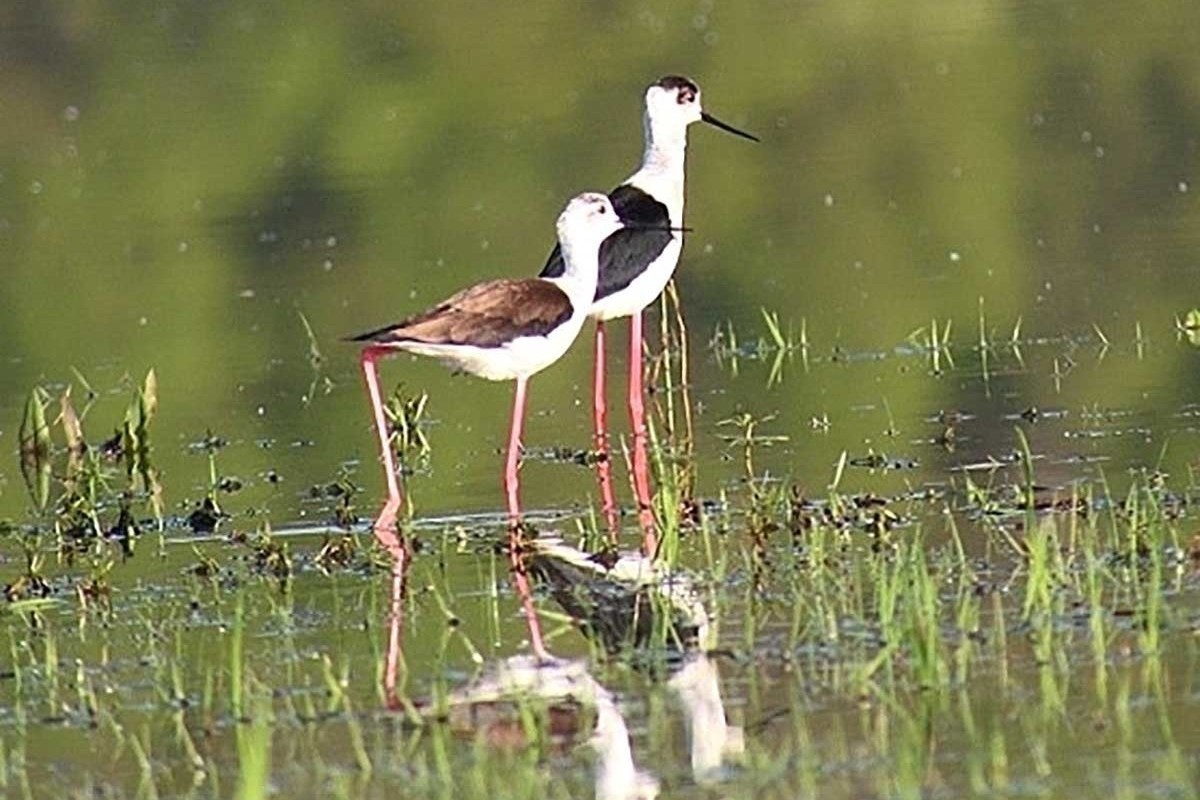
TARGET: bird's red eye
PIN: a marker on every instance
(686, 95)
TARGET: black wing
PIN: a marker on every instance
(625, 254)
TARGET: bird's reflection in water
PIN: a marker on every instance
(631, 602)
(401, 553)
(712, 741)
(624, 600)
(490, 706)
(495, 706)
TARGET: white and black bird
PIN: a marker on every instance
(500, 330)
(636, 264)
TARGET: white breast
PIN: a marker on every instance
(666, 186)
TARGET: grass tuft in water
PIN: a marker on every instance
(406, 418)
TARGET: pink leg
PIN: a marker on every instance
(637, 418)
(400, 562)
(603, 457)
(385, 524)
(512, 491)
(511, 482)
(521, 581)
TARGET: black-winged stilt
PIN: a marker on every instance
(499, 330)
(635, 265)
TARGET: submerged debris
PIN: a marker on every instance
(206, 516)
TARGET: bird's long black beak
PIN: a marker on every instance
(716, 123)
(670, 228)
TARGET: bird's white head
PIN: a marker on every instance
(587, 220)
(673, 103)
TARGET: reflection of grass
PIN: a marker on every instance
(779, 345)
(35, 443)
(935, 342)
(782, 345)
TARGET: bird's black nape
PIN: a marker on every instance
(678, 82)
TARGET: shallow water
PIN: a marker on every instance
(181, 188)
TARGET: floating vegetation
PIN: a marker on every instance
(882, 461)
(342, 491)
(271, 556)
(337, 551)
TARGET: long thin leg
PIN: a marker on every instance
(603, 457)
(521, 581)
(637, 418)
(385, 523)
(511, 482)
(512, 491)
(400, 561)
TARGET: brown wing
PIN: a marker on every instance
(486, 315)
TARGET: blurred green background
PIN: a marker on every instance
(180, 181)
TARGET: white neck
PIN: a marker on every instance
(581, 268)
(666, 148)
(662, 172)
